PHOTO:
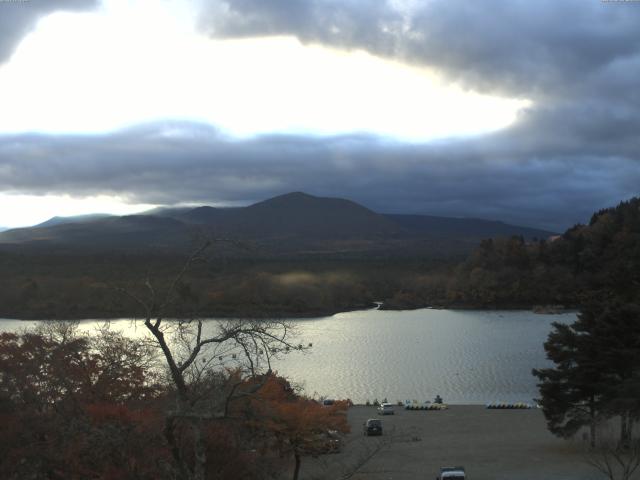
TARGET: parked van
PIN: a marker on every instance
(386, 409)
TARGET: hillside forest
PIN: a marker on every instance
(501, 273)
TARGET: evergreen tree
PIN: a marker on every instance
(571, 393)
(597, 370)
(615, 327)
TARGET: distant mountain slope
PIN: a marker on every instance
(203, 215)
(166, 211)
(296, 215)
(464, 227)
(112, 233)
(74, 219)
(291, 223)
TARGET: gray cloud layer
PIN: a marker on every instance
(576, 150)
(539, 48)
(171, 162)
(18, 17)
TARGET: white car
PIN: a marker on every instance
(386, 409)
(452, 473)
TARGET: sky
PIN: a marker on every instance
(525, 112)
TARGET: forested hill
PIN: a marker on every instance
(512, 272)
(294, 224)
(597, 258)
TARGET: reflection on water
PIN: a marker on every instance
(465, 356)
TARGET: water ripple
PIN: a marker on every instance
(464, 356)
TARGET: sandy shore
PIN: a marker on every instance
(490, 444)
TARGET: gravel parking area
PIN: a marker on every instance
(490, 444)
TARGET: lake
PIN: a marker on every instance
(463, 355)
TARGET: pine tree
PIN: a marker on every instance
(615, 327)
(572, 391)
(597, 370)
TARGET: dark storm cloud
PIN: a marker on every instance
(18, 17)
(577, 60)
(575, 150)
(372, 24)
(516, 46)
(172, 163)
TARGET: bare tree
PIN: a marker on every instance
(197, 354)
(615, 460)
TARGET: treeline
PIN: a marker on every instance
(500, 273)
(595, 379)
(587, 259)
(91, 286)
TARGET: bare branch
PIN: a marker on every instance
(196, 349)
(135, 298)
(168, 298)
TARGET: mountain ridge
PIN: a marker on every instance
(291, 223)
(59, 220)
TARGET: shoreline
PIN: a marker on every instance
(299, 315)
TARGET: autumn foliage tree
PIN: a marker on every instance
(195, 355)
(95, 407)
(73, 408)
(105, 406)
(296, 425)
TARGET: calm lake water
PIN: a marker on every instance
(464, 356)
